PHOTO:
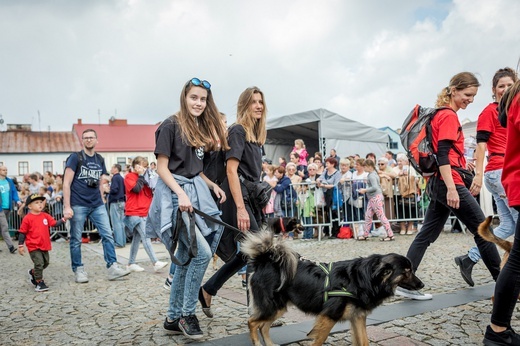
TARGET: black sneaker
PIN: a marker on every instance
(41, 287)
(189, 325)
(507, 337)
(12, 249)
(32, 279)
(168, 284)
(173, 326)
(244, 284)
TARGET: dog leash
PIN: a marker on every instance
(238, 233)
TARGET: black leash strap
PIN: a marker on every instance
(193, 250)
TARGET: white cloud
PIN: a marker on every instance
(371, 61)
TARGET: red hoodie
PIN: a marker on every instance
(137, 204)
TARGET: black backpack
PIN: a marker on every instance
(81, 158)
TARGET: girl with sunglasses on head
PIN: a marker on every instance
(243, 161)
(180, 143)
(491, 137)
(448, 187)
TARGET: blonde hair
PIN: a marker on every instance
(255, 130)
(460, 81)
(300, 142)
(206, 130)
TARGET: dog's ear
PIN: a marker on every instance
(382, 270)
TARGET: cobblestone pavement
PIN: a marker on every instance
(131, 311)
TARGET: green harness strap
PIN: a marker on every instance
(341, 293)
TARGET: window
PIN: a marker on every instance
(47, 166)
(393, 145)
(122, 162)
(23, 167)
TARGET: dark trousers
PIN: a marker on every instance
(438, 212)
(508, 285)
(41, 261)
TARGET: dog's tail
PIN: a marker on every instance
(485, 232)
(274, 250)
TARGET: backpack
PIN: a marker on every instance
(416, 137)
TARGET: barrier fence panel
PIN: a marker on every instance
(55, 209)
(405, 201)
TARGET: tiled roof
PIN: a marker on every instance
(120, 138)
(12, 142)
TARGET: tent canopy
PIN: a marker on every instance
(322, 130)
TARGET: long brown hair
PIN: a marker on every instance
(206, 130)
(510, 95)
(255, 130)
(460, 81)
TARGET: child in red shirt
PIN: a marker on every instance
(34, 231)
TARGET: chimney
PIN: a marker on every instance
(79, 122)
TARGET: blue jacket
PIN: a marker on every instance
(117, 189)
(13, 196)
(284, 186)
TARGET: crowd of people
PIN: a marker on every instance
(169, 208)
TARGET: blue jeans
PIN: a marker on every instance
(309, 230)
(99, 218)
(117, 214)
(508, 216)
(136, 224)
(187, 279)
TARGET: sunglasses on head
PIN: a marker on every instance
(197, 82)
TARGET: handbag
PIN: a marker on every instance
(259, 193)
(388, 187)
(319, 198)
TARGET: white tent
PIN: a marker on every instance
(322, 130)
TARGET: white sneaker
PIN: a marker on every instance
(135, 268)
(81, 275)
(159, 265)
(416, 295)
(115, 272)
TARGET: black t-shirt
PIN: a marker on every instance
(184, 160)
(248, 153)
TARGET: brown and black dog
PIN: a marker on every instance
(344, 290)
(485, 232)
(284, 225)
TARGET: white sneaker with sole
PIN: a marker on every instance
(135, 268)
(115, 272)
(416, 295)
(159, 265)
(81, 275)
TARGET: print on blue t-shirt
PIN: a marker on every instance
(5, 191)
(91, 168)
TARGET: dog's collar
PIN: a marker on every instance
(327, 292)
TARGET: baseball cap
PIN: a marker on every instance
(34, 197)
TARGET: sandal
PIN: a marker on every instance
(206, 309)
(392, 238)
(411, 231)
(361, 238)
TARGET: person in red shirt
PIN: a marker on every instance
(138, 199)
(499, 332)
(34, 231)
(448, 188)
(491, 136)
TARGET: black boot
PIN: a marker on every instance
(466, 267)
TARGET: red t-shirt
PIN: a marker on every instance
(446, 126)
(511, 173)
(488, 121)
(36, 230)
(137, 204)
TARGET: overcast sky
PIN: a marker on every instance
(370, 61)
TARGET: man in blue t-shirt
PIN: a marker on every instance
(8, 195)
(81, 199)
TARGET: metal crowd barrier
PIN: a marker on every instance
(55, 209)
(348, 207)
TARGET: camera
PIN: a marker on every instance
(93, 183)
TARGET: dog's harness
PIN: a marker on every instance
(282, 227)
(328, 293)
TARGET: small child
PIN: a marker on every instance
(35, 232)
(306, 209)
(374, 194)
